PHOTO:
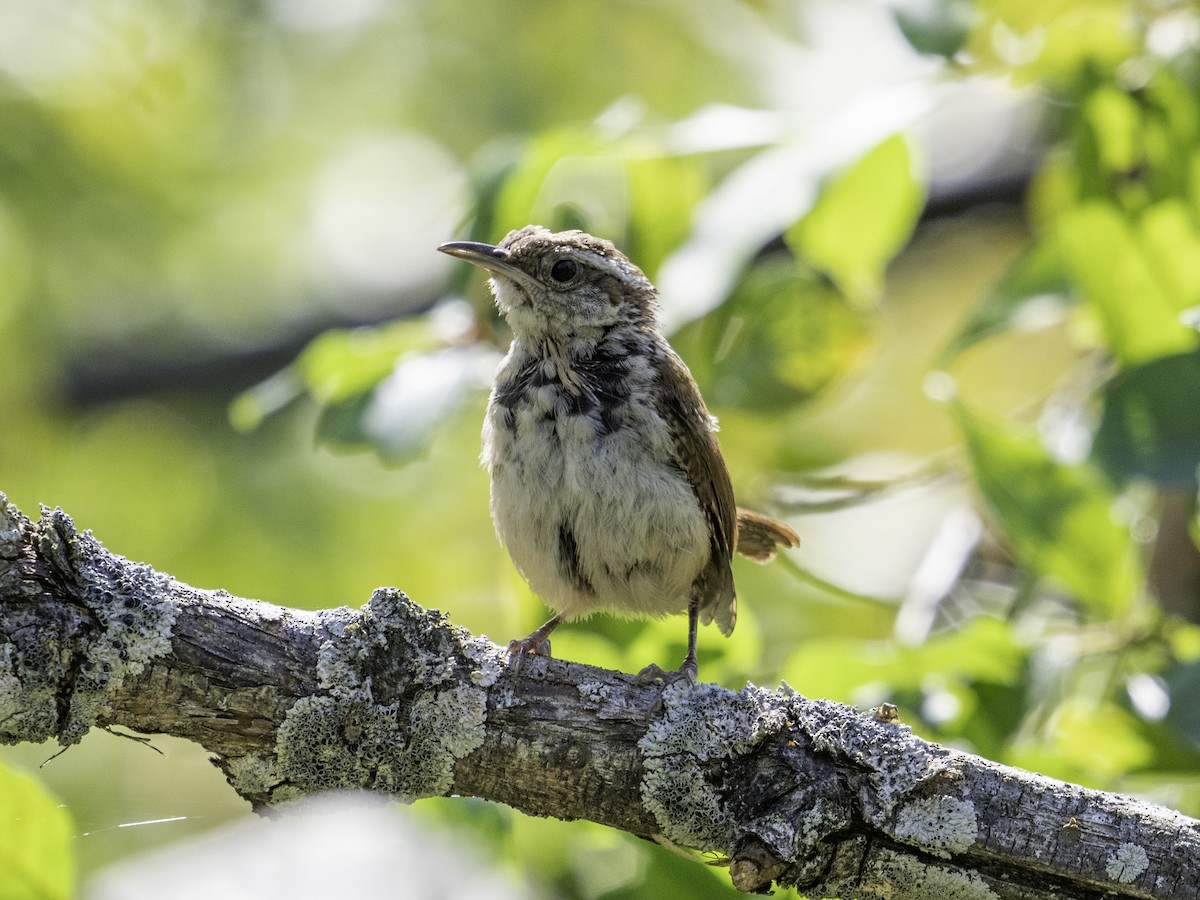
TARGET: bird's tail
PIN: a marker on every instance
(759, 535)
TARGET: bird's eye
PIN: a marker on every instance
(564, 270)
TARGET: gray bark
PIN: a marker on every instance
(394, 699)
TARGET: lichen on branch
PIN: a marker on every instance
(393, 698)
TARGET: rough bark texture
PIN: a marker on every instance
(392, 698)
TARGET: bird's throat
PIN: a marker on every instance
(568, 375)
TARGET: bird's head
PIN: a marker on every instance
(561, 285)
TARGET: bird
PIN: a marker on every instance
(608, 488)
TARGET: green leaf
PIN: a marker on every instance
(1100, 739)
(1030, 43)
(1139, 316)
(566, 178)
(781, 337)
(401, 414)
(663, 191)
(862, 217)
(346, 363)
(1184, 715)
(1057, 518)
(1172, 245)
(253, 406)
(1033, 293)
(338, 368)
(1172, 128)
(1150, 427)
(934, 27)
(36, 859)
(982, 650)
(630, 189)
(1116, 124)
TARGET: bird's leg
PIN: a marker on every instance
(537, 643)
(689, 670)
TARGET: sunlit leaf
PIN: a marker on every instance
(1170, 133)
(1059, 519)
(1033, 293)
(347, 362)
(36, 859)
(1056, 186)
(663, 191)
(337, 369)
(1150, 427)
(983, 650)
(253, 406)
(1102, 739)
(563, 180)
(863, 216)
(767, 194)
(1171, 240)
(627, 189)
(385, 389)
(1104, 256)
(1184, 640)
(401, 414)
(781, 337)
(1115, 122)
(1033, 43)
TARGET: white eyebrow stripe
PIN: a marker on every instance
(605, 264)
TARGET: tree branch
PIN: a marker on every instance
(392, 698)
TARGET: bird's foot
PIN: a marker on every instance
(534, 645)
(519, 650)
(688, 672)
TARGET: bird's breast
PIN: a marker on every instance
(587, 494)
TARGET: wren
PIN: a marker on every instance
(608, 488)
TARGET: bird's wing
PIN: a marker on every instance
(698, 455)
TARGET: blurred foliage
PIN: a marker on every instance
(980, 416)
(864, 215)
(1059, 518)
(36, 861)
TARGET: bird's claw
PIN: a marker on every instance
(519, 650)
(530, 646)
(688, 672)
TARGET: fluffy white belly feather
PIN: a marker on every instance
(594, 521)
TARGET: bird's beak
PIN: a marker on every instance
(487, 256)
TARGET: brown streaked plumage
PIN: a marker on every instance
(608, 487)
